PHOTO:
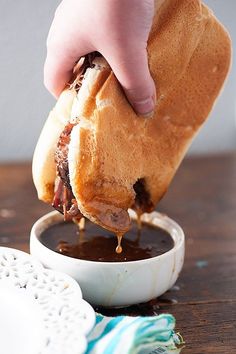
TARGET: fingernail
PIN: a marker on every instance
(144, 108)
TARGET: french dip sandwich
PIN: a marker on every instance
(95, 157)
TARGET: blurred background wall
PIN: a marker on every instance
(25, 103)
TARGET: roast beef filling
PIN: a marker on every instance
(87, 63)
(61, 155)
(64, 200)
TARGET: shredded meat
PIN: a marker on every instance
(61, 155)
(64, 200)
(87, 63)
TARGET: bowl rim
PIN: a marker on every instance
(177, 235)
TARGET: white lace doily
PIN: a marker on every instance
(66, 317)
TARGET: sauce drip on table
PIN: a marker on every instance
(97, 244)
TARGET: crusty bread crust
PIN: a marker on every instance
(111, 148)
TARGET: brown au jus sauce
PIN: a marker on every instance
(97, 244)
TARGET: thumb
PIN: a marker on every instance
(132, 71)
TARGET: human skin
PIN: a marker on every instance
(118, 29)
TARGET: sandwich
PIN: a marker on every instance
(96, 157)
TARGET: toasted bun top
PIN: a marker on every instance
(112, 149)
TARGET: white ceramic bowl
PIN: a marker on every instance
(116, 283)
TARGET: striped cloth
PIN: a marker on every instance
(134, 335)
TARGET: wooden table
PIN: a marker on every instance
(202, 199)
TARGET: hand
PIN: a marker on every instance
(118, 29)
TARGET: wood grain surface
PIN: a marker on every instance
(202, 199)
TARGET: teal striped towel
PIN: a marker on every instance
(134, 335)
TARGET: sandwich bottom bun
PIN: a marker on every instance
(116, 159)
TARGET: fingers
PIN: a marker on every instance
(130, 67)
(122, 38)
(57, 72)
(63, 51)
(132, 71)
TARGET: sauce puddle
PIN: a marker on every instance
(97, 244)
